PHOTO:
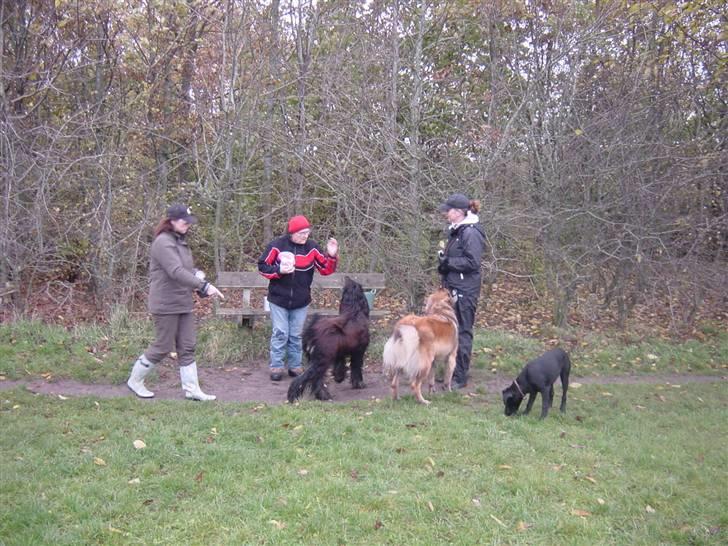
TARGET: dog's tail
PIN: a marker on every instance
(400, 351)
(299, 384)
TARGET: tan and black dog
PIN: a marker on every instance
(418, 340)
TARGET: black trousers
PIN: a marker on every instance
(465, 312)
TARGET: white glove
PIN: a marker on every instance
(212, 291)
(332, 247)
(200, 274)
(287, 263)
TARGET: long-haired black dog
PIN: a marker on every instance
(328, 341)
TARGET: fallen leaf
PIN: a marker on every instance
(62, 397)
(430, 506)
(499, 522)
(199, 476)
(649, 509)
(600, 501)
(429, 460)
(377, 524)
(134, 481)
(639, 407)
(590, 479)
(139, 444)
(99, 461)
(115, 530)
(303, 472)
(580, 513)
(476, 502)
(606, 393)
(504, 467)
(278, 524)
(575, 385)
(522, 526)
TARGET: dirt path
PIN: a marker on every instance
(251, 384)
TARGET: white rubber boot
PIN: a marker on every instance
(191, 385)
(141, 369)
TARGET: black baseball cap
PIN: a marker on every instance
(179, 211)
(455, 201)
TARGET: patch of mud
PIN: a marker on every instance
(252, 384)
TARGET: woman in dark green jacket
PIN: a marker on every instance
(173, 277)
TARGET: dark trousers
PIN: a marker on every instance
(465, 311)
(173, 332)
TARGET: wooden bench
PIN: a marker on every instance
(247, 281)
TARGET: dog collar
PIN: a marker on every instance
(515, 382)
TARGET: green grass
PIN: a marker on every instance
(103, 353)
(643, 464)
(598, 354)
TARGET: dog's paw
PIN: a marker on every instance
(324, 395)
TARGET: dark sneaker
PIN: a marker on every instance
(276, 376)
(295, 372)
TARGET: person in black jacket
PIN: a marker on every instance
(289, 263)
(459, 268)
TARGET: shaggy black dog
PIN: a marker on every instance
(328, 341)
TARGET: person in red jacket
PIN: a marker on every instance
(289, 262)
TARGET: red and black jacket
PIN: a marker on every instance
(293, 291)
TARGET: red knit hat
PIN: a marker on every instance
(297, 223)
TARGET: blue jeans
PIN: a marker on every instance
(286, 338)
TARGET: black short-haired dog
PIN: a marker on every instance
(537, 376)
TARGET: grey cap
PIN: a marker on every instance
(455, 201)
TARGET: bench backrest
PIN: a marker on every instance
(253, 279)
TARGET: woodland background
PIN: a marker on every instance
(594, 133)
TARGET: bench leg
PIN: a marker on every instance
(247, 321)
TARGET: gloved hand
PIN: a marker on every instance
(214, 292)
(442, 268)
(200, 274)
(287, 263)
(209, 290)
(332, 247)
